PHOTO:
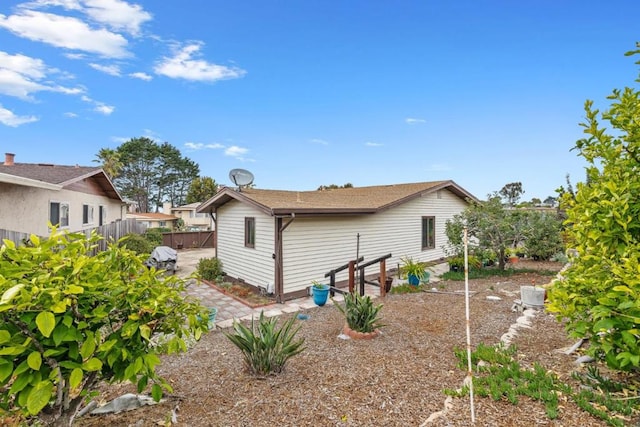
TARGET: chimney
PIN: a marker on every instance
(8, 159)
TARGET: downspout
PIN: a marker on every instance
(278, 257)
(215, 232)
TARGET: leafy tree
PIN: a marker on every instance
(535, 201)
(110, 162)
(153, 173)
(334, 186)
(550, 200)
(69, 320)
(598, 295)
(201, 189)
(490, 225)
(543, 237)
(511, 193)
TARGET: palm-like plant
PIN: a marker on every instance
(265, 347)
(360, 312)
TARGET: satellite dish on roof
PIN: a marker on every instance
(241, 177)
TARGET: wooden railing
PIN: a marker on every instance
(352, 266)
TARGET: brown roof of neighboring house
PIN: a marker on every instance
(56, 176)
(157, 216)
(357, 200)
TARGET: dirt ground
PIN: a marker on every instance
(396, 379)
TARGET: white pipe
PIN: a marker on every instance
(466, 302)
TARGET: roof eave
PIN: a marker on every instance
(28, 182)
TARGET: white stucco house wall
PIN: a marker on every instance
(73, 197)
(287, 239)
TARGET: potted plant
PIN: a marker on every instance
(532, 296)
(320, 293)
(361, 315)
(512, 255)
(414, 270)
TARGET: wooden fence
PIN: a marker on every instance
(111, 231)
(188, 239)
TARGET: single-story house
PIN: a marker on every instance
(73, 197)
(284, 240)
(154, 219)
(193, 221)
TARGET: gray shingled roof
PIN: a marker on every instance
(52, 174)
(335, 201)
(61, 175)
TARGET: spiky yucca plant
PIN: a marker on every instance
(360, 312)
(265, 347)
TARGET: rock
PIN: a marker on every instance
(585, 359)
(493, 298)
(126, 402)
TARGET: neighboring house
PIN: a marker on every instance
(154, 219)
(289, 238)
(193, 221)
(74, 197)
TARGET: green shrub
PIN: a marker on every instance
(210, 269)
(266, 348)
(360, 312)
(136, 243)
(69, 320)
(154, 236)
(406, 288)
(544, 238)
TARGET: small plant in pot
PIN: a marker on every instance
(413, 270)
(320, 293)
(362, 316)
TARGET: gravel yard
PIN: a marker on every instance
(396, 379)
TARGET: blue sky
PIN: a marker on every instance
(317, 92)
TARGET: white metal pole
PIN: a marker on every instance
(469, 379)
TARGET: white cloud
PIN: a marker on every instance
(21, 76)
(182, 65)
(70, 115)
(8, 118)
(235, 151)
(319, 141)
(112, 70)
(373, 144)
(413, 121)
(141, 76)
(104, 108)
(117, 14)
(201, 146)
(65, 32)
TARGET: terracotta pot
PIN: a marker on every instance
(359, 335)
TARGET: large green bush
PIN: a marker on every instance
(543, 238)
(209, 269)
(137, 243)
(599, 293)
(69, 320)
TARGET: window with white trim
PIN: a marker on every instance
(59, 214)
(428, 232)
(87, 214)
(250, 232)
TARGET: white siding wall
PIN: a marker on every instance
(254, 265)
(312, 246)
(26, 209)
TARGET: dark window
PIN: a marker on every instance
(87, 214)
(102, 215)
(59, 214)
(428, 232)
(250, 232)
